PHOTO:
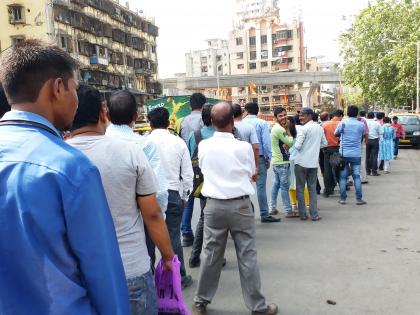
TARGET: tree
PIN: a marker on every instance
(384, 71)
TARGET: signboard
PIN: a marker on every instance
(178, 106)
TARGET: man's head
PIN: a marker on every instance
(387, 120)
(324, 116)
(306, 114)
(41, 78)
(237, 111)
(122, 108)
(159, 118)
(91, 111)
(370, 115)
(252, 108)
(380, 116)
(362, 113)
(280, 115)
(352, 111)
(395, 119)
(197, 101)
(222, 117)
(206, 115)
(338, 113)
(315, 117)
(4, 103)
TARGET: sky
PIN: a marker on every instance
(184, 25)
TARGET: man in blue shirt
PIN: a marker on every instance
(59, 250)
(351, 132)
(263, 134)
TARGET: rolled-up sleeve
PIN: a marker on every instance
(92, 238)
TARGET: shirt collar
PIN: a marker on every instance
(160, 131)
(219, 134)
(120, 128)
(21, 115)
(251, 116)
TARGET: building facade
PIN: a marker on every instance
(115, 46)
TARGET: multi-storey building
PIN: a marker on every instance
(115, 46)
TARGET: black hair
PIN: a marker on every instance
(197, 101)
(292, 126)
(370, 115)
(315, 117)
(338, 113)
(206, 114)
(4, 104)
(324, 116)
(221, 121)
(362, 113)
(158, 118)
(380, 115)
(89, 109)
(352, 111)
(122, 107)
(27, 66)
(237, 110)
(387, 120)
(278, 110)
(252, 108)
(395, 118)
(297, 119)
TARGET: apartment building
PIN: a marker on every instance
(115, 46)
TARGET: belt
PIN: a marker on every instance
(231, 199)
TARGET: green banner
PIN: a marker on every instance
(178, 107)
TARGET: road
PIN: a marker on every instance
(365, 258)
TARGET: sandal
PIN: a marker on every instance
(304, 218)
(292, 215)
(317, 218)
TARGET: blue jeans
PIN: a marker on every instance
(281, 182)
(187, 216)
(142, 292)
(396, 144)
(262, 187)
(354, 164)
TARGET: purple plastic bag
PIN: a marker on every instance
(168, 287)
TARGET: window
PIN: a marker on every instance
(203, 60)
(239, 41)
(263, 39)
(266, 99)
(284, 34)
(252, 55)
(240, 55)
(252, 66)
(264, 54)
(16, 14)
(66, 43)
(17, 39)
(264, 64)
(218, 58)
(240, 66)
(153, 49)
(252, 41)
(204, 69)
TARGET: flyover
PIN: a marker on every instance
(307, 81)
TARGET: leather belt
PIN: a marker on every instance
(231, 199)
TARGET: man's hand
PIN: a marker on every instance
(254, 177)
(267, 164)
(167, 264)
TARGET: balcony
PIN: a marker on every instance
(95, 60)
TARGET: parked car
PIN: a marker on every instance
(411, 124)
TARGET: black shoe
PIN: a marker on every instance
(375, 174)
(328, 193)
(194, 262)
(224, 262)
(381, 168)
(269, 219)
(187, 241)
(274, 212)
(360, 202)
(200, 308)
(186, 281)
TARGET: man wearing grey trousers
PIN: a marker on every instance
(228, 167)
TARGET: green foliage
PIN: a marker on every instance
(354, 98)
(384, 71)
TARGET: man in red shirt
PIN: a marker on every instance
(330, 174)
(400, 133)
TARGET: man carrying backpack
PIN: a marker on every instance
(194, 139)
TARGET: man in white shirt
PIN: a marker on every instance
(372, 145)
(130, 185)
(310, 139)
(228, 165)
(179, 175)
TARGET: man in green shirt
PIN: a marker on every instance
(281, 141)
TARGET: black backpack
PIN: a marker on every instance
(198, 176)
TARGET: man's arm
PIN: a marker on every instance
(255, 146)
(187, 173)
(91, 235)
(402, 131)
(300, 139)
(338, 130)
(266, 143)
(156, 227)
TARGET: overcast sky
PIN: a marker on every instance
(184, 25)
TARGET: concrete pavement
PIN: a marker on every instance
(365, 258)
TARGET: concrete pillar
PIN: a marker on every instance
(306, 91)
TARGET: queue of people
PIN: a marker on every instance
(81, 218)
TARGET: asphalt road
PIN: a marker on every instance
(365, 258)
